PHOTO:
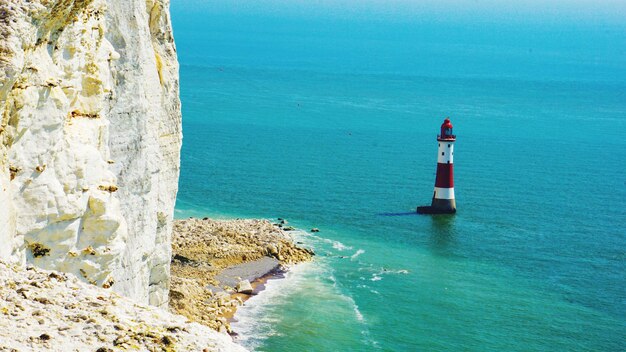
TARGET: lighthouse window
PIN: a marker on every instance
(443, 153)
(448, 145)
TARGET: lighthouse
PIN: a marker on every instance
(443, 197)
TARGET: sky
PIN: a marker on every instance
(606, 12)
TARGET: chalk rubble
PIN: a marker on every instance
(43, 310)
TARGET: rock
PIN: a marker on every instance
(245, 287)
(38, 250)
(315, 229)
(272, 249)
(167, 340)
(289, 228)
(121, 339)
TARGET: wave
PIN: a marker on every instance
(251, 323)
(305, 286)
(357, 312)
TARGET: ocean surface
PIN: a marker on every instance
(332, 123)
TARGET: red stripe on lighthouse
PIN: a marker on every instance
(445, 176)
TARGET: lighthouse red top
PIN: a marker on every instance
(446, 131)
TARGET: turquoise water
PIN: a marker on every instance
(333, 125)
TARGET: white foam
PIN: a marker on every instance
(358, 253)
(355, 308)
(385, 271)
(336, 244)
(358, 314)
(388, 272)
(259, 317)
(252, 323)
(340, 246)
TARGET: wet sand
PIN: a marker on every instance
(250, 271)
(258, 285)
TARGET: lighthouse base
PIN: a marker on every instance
(429, 210)
(439, 206)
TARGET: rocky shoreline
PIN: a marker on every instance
(218, 264)
(43, 310)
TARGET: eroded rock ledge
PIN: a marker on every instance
(205, 248)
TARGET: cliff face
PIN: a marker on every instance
(90, 137)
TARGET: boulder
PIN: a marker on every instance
(244, 286)
(271, 249)
(315, 229)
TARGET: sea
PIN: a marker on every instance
(331, 122)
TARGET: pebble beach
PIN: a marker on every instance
(218, 264)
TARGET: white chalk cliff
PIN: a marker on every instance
(90, 139)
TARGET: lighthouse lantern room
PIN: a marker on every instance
(443, 197)
(446, 131)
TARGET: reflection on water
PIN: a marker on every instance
(442, 234)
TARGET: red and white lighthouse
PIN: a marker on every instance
(443, 198)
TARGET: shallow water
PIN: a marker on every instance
(534, 258)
